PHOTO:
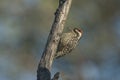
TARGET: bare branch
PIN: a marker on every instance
(43, 72)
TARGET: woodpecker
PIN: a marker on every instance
(68, 42)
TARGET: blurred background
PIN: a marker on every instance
(24, 28)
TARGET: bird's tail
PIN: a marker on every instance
(59, 54)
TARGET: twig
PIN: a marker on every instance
(56, 76)
(43, 72)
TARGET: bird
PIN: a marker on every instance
(68, 41)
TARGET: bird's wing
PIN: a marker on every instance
(65, 38)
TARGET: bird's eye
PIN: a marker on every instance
(80, 30)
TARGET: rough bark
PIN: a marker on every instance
(43, 72)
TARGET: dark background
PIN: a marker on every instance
(24, 28)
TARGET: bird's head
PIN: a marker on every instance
(78, 31)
